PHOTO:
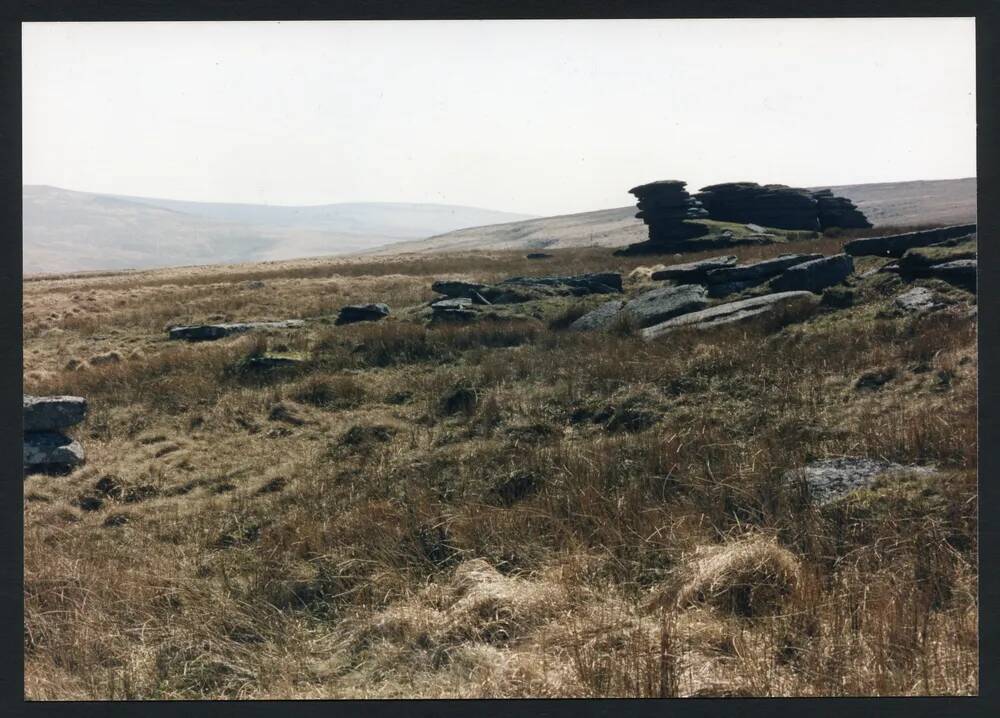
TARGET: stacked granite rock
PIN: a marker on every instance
(772, 205)
(46, 447)
(664, 207)
(840, 212)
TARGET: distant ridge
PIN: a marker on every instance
(70, 231)
(915, 202)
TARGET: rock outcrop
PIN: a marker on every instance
(353, 313)
(961, 273)
(695, 272)
(604, 317)
(46, 447)
(646, 309)
(771, 205)
(665, 207)
(895, 245)
(919, 300)
(815, 275)
(525, 289)
(733, 312)
(729, 280)
(827, 480)
(210, 332)
(840, 212)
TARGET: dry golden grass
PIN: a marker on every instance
(504, 509)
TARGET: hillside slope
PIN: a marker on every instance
(66, 231)
(894, 203)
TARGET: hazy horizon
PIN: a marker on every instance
(532, 117)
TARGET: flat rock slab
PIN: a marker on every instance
(692, 271)
(604, 317)
(816, 275)
(895, 245)
(830, 479)
(47, 413)
(210, 332)
(353, 313)
(459, 290)
(919, 300)
(593, 283)
(525, 289)
(663, 303)
(51, 449)
(758, 272)
(732, 312)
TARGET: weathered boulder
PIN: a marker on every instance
(354, 313)
(663, 303)
(919, 300)
(604, 317)
(816, 275)
(209, 332)
(895, 245)
(732, 312)
(692, 272)
(537, 255)
(917, 261)
(458, 309)
(961, 273)
(827, 480)
(757, 272)
(458, 289)
(48, 413)
(45, 450)
(593, 283)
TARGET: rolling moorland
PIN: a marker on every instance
(507, 506)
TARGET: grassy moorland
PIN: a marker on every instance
(501, 509)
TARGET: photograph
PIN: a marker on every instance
(499, 359)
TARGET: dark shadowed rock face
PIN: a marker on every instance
(733, 312)
(692, 272)
(353, 313)
(51, 450)
(768, 205)
(209, 332)
(831, 479)
(48, 413)
(961, 273)
(814, 276)
(895, 245)
(459, 290)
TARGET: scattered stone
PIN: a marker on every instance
(749, 275)
(90, 503)
(454, 310)
(579, 285)
(525, 289)
(47, 413)
(359, 435)
(266, 363)
(211, 332)
(816, 275)
(284, 412)
(895, 245)
(733, 312)
(51, 451)
(873, 380)
(460, 290)
(919, 300)
(354, 313)
(254, 284)
(538, 255)
(827, 480)
(115, 520)
(693, 272)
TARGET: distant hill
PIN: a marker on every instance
(885, 204)
(67, 231)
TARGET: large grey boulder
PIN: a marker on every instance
(354, 313)
(757, 272)
(604, 317)
(733, 312)
(51, 450)
(895, 245)
(47, 413)
(827, 480)
(692, 272)
(814, 276)
(663, 303)
(210, 332)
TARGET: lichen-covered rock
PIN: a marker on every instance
(827, 480)
(51, 450)
(732, 312)
(919, 300)
(48, 413)
(895, 245)
(665, 302)
(692, 272)
(757, 272)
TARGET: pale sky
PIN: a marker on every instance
(542, 117)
